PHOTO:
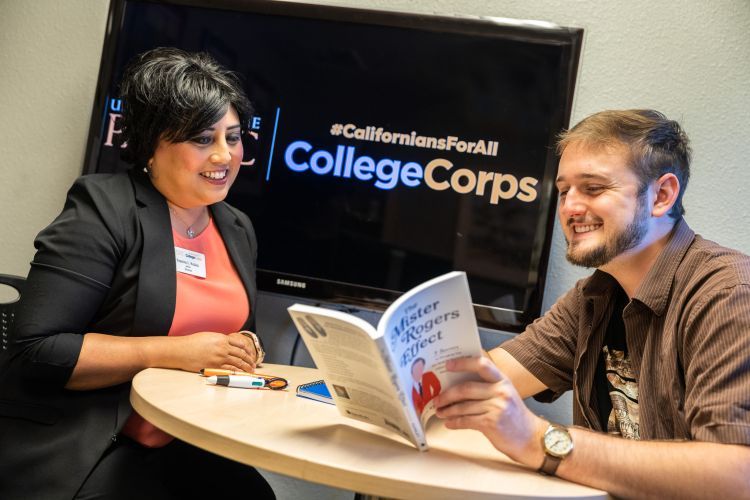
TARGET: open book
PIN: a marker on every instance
(388, 376)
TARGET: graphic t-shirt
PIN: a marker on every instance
(617, 388)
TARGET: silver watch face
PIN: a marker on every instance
(557, 441)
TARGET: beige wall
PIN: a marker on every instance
(690, 59)
(49, 62)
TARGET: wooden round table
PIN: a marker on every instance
(309, 440)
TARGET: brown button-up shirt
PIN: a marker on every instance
(688, 335)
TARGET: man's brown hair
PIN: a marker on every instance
(657, 144)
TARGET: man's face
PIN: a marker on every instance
(416, 371)
(601, 212)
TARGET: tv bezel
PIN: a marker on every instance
(347, 294)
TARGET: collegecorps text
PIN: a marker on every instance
(439, 174)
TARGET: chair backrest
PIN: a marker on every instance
(8, 309)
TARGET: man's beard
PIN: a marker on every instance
(624, 241)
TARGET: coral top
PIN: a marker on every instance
(217, 303)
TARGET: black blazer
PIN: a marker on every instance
(106, 264)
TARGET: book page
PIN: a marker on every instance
(343, 349)
(424, 328)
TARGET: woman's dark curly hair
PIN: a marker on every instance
(173, 95)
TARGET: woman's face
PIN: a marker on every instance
(199, 171)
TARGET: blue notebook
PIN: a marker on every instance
(315, 390)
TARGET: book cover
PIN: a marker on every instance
(389, 375)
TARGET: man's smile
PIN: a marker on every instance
(578, 229)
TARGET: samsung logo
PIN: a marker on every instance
(290, 283)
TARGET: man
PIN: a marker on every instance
(655, 344)
(425, 387)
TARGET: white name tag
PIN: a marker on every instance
(189, 262)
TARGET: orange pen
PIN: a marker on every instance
(210, 372)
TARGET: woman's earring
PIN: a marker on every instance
(147, 168)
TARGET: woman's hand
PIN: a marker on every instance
(107, 360)
(215, 350)
(493, 407)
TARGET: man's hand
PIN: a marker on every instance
(623, 467)
(493, 407)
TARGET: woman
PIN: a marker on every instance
(113, 289)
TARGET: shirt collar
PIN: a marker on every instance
(598, 284)
(654, 291)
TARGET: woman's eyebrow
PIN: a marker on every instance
(213, 129)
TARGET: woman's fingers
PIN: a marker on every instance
(241, 341)
(213, 349)
(242, 355)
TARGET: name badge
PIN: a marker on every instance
(189, 262)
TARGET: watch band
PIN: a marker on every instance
(260, 353)
(549, 465)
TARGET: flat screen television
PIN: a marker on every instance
(387, 148)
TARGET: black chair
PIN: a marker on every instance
(8, 309)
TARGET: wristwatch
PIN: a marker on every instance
(557, 445)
